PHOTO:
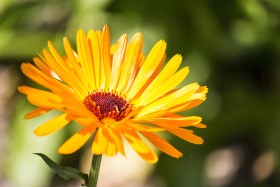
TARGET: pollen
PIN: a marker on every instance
(108, 105)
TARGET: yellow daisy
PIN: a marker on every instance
(114, 92)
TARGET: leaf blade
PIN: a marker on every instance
(64, 172)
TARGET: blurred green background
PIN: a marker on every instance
(233, 47)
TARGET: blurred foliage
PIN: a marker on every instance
(233, 47)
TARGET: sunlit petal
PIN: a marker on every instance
(54, 124)
(115, 93)
(77, 140)
(162, 145)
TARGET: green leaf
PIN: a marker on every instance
(64, 172)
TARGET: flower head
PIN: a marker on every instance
(114, 92)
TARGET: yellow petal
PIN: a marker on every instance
(202, 89)
(112, 142)
(152, 77)
(77, 140)
(54, 124)
(167, 72)
(160, 90)
(111, 149)
(117, 61)
(85, 59)
(117, 139)
(65, 73)
(58, 62)
(131, 61)
(73, 60)
(162, 145)
(48, 82)
(102, 70)
(166, 102)
(100, 142)
(45, 99)
(192, 102)
(96, 56)
(151, 63)
(131, 79)
(139, 146)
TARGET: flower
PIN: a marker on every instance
(115, 93)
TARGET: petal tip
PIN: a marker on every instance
(153, 161)
(39, 132)
(63, 151)
(201, 141)
(19, 88)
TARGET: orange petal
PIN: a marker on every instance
(185, 134)
(178, 121)
(145, 128)
(139, 146)
(77, 140)
(117, 139)
(78, 108)
(36, 112)
(46, 81)
(64, 72)
(106, 55)
(41, 98)
(200, 125)
(42, 66)
(54, 124)
(35, 74)
(162, 145)
(74, 63)
(83, 121)
(114, 141)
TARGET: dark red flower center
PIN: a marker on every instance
(108, 105)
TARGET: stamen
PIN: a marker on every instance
(108, 105)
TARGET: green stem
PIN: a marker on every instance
(94, 170)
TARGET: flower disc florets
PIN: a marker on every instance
(108, 105)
